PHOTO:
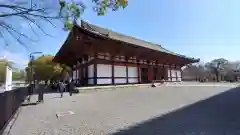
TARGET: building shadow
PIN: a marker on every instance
(217, 115)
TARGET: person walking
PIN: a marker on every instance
(61, 88)
(30, 91)
(70, 86)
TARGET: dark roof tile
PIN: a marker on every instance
(131, 40)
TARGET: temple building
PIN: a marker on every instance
(99, 56)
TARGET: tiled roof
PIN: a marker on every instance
(128, 39)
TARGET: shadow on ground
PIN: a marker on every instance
(29, 104)
(217, 115)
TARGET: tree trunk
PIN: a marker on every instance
(217, 76)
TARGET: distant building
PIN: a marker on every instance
(99, 56)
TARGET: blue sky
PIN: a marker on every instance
(204, 29)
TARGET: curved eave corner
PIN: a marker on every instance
(57, 57)
(192, 60)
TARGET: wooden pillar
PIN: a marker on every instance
(150, 74)
(86, 70)
(79, 76)
(139, 71)
(156, 70)
(72, 73)
(112, 63)
(126, 61)
(170, 72)
(181, 74)
(81, 70)
(95, 70)
(176, 73)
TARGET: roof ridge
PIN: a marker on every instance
(133, 37)
(91, 29)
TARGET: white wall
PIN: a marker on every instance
(90, 81)
(132, 72)
(120, 80)
(173, 73)
(132, 80)
(174, 79)
(74, 74)
(104, 81)
(104, 70)
(77, 72)
(8, 80)
(179, 75)
(120, 71)
(169, 72)
(90, 71)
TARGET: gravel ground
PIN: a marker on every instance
(164, 110)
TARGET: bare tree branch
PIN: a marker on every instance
(34, 22)
(30, 15)
(32, 11)
(9, 27)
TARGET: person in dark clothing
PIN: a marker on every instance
(61, 88)
(41, 93)
(70, 87)
(30, 89)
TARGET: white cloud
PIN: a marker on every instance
(19, 59)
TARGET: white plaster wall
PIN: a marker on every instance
(179, 75)
(173, 73)
(120, 80)
(90, 81)
(169, 72)
(74, 74)
(104, 81)
(78, 74)
(174, 79)
(90, 71)
(120, 71)
(132, 72)
(104, 70)
(132, 80)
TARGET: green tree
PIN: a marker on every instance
(34, 11)
(45, 69)
(18, 75)
(3, 64)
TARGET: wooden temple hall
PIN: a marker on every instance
(99, 56)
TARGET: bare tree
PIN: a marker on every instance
(196, 72)
(216, 67)
(34, 11)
